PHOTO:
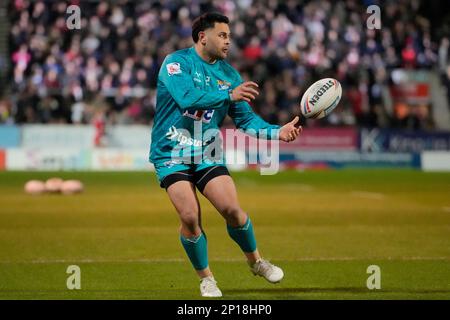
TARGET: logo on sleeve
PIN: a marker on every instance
(223, 84)
(173, 68)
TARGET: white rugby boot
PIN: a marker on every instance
(208, 288)
(266, 270)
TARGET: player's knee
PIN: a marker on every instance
(190, 218)
(234, 215)
(189, 231)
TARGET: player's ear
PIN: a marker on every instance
(202, 37)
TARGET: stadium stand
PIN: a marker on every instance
(107, 69)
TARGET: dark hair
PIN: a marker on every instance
(206, 21)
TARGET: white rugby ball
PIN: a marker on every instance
(321, 98)
(53, 185)
(34, 187)
(72, 186)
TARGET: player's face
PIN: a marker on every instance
(218, 41)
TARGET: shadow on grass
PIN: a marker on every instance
(254, 290)
(279, 293)
(336, 290)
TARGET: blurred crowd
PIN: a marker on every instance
(105, 72)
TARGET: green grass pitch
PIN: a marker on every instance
(324, 228)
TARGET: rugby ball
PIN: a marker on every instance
(34, 187)
(72, 187)
(321, 98)
(53, 185)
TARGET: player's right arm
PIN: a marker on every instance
(176, 75)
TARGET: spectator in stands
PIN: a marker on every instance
(286, 46)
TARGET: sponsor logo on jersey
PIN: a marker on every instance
(197, 77)
(171, 163)
(204, 115)
(173, 68)
(223, 84)
(174, 135)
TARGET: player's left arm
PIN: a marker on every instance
(290, 131)
(245, 119)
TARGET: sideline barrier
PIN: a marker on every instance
(9, 136)
(2, 159)
(83, 136)
(54, 159)
(111, 159)
(436, 161)
(63, 147)
(377, 140)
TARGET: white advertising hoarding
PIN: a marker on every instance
(436, 161)
(128, 136)
(83, 136)
(76, 159)
(120, 159)
(47, 159)
(58, 136)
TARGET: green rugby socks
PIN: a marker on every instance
(243, 236)
(197, 250)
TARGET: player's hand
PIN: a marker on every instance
(289, 132)
(246, 91)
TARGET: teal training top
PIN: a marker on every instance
(192, 98)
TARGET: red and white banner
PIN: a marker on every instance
(331, 139)
(2, 159)
(311, 139)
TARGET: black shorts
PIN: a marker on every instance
(198, 178)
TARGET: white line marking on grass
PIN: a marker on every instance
(49, 261)
(368, 195)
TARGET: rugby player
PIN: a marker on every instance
(196, 86)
